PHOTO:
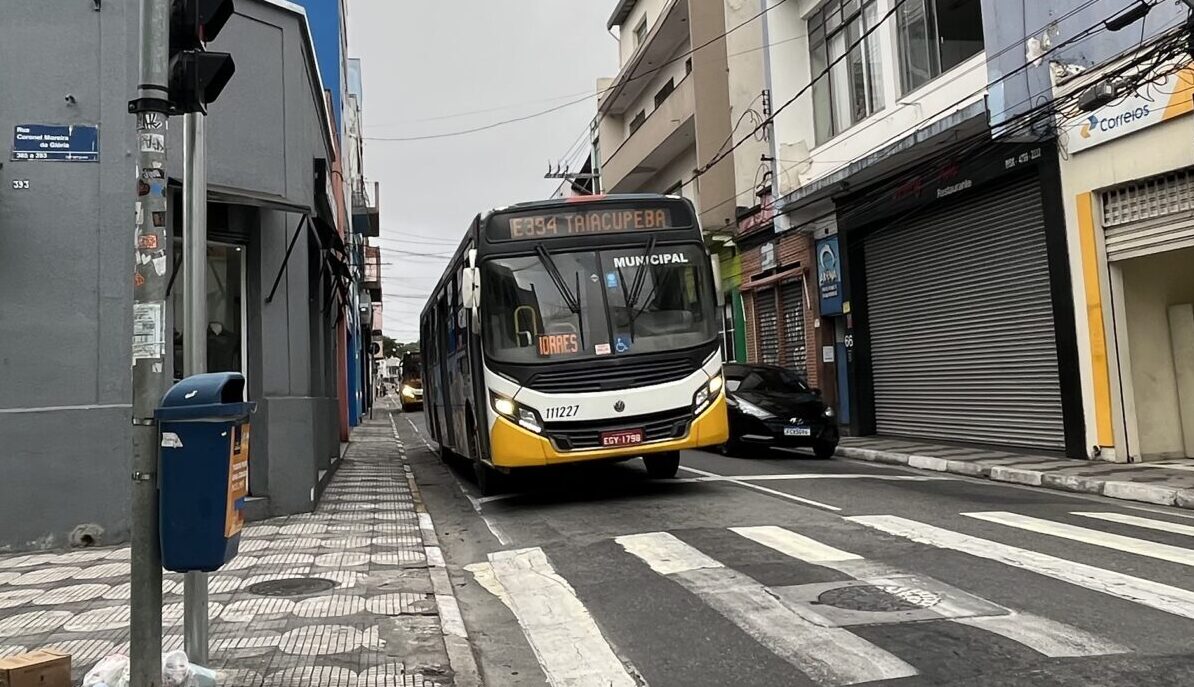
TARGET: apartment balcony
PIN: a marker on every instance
(666, 133)
(366, 216)
(372, 278)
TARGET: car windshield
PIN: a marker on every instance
(598, 303)
(766, 380)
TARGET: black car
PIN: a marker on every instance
(773, 407)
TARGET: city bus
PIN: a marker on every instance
(574, 330)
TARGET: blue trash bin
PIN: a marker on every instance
(203, 422)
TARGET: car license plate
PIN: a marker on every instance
(797, 431)
(625, 437)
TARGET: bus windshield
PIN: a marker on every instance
(630, 301)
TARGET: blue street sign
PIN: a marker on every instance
(56, 143)
(829, 276)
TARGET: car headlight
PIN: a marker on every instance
(708, 392)
(753, 410)
(408, 391)
(514, 411)
(829, 412)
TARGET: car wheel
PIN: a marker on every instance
(662, 465)
(824, 451)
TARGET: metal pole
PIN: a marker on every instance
(194, 289)
(594, 145)
(780, 220)
(149, 342)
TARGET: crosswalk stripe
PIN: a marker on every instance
(794, 545)
(1162, 597)
(1046, 636)
(828, 655)
(1137, 521)
(1140, 547)
(565, 638)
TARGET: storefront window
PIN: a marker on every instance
(225, 330)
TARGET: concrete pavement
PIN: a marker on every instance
(377, 608)
(781, 570)
(1164, 483)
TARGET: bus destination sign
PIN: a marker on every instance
(582, 222)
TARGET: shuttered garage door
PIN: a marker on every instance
(792, 296)
(768, 326)
(961, 324)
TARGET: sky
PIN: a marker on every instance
(426, 66)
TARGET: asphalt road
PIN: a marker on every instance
(784, 570)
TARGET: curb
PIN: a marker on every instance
(455, 634)
(1114, 489)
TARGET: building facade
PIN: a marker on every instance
(1128, 204)
(275, 266)
(928, 233)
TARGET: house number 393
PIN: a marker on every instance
(20, 184)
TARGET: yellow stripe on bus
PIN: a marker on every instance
(512, 446)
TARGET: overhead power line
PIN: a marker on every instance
(586, 98)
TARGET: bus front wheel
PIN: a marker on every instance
(662, 465)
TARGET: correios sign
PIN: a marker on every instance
(1153, 103)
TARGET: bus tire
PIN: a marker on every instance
(662, 465)
(489, 480)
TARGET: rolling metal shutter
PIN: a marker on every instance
(792, 296)
(961, 323)
(767, 320)
(1149, 216)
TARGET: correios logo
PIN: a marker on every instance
(1105, 124)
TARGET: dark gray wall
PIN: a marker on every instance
(66, 260)
(1008, 23)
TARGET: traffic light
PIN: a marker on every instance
(197, 76)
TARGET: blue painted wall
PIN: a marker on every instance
(326, 18)
(1007, 23)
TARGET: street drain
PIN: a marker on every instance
(292, 586)
(885, 598)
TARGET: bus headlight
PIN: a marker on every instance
(408, 391)
(707, 393)
(516, 412)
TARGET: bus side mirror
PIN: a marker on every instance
(470, 287)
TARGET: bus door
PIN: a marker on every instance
(458, 368)
(443, 335)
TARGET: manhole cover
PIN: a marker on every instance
(293, 586)
(879, 598)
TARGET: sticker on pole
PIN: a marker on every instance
(55, 143)
(149, 331)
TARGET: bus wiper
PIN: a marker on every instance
(636, 287)
(570, 298)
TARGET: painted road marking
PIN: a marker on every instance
(1045, 636)
(795, 545)
(565, 638)
(1051, 638)
(1162, 597)
(760, 488)
(1140, 547)
(806, 475)
(828, 655)
(1137, 521)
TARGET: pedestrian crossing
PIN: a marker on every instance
(823, 629)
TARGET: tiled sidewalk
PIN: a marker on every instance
(379, 626)
(1166, 483)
